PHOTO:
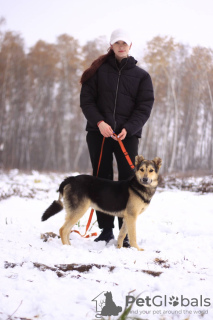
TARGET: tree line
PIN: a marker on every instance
(41, 122)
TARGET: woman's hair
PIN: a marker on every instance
(88, 73)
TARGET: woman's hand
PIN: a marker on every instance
(105, 129)
(123, 134)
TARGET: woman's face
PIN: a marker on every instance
(121, 49)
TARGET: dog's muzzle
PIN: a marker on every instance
(146, 181)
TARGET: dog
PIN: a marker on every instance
(126, 199)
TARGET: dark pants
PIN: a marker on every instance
(94, 142)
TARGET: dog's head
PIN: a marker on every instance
(147, 171)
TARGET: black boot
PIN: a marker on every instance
(126, 243)
(106, 235)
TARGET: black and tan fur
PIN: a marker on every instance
(126, 199)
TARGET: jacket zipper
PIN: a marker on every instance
(116, 93)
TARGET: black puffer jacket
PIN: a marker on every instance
(121, 95)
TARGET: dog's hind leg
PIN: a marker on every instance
(72, 217)
(70, 221)
(65, 231)
(122, 234)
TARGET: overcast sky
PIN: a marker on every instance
(188, 21)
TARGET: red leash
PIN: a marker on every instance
(92, 210)
(124, 152)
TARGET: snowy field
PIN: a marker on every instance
(172, 278)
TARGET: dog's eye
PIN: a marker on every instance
(151, 170)
(142, 170)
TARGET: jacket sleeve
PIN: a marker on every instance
(88, 101)
(143, 107)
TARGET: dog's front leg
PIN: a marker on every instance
(131, 229)
(122, 234)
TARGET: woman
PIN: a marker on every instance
(117, 96)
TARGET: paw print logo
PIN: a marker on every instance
(173, 301)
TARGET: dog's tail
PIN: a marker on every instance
(54, 208)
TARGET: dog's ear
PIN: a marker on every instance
(158, 162)
(138, 160)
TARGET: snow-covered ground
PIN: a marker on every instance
(173, 276)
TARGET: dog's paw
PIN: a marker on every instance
(134, 245)
(138, 248)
